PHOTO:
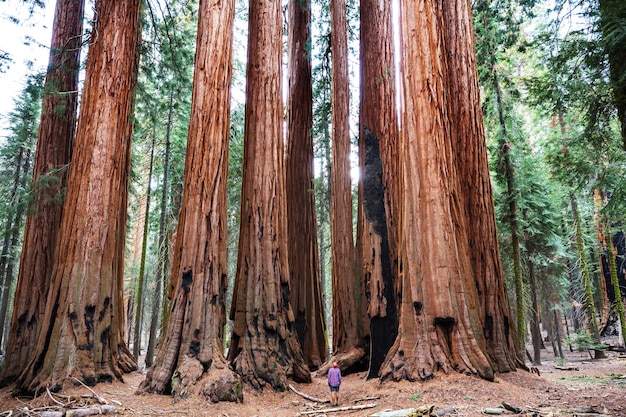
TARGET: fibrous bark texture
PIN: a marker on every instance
(56, 132)
(378, 156)
(83, 325)
(192, 344)
(468, 140)
(347, 324)
(264, 346)
(306, 293)
(439, 325)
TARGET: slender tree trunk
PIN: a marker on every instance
(379, 184)
(264, 346)
(512, 215)
(440, 328)
(82, 333)
(192, 344)
(535, 331)
(306, 295)
(56, 133)
(11, 236)
(472, 163)
(347, 345)
(611, 254)
(590, 311)
(10, 269)
(139, 295)
(162, 251)
(559, 338)
(603, 305)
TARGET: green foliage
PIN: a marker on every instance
(584, 341)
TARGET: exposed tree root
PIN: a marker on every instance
(216, 384)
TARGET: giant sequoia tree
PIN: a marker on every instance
(440, 323)
(56, 132)
(347, 342)
(83, 323)
(264, 346)
(304, 268)
(378, 155)
(468, 141)
(192, 345)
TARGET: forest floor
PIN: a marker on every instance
(589, 388)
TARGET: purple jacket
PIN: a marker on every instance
(334, 377)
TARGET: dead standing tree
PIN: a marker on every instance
(192, 344)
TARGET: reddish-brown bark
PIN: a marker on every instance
(192, 343)
(83, 325)
(306, 293)
(440, 328)
(346, 340)
(468, 141)
(264, 347)
(379, 182)
(54, 142)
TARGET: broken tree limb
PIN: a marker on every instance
(367, 399)
(337, 409)
(100, 399)
(91, 411)
(308, 397)
(566, 368)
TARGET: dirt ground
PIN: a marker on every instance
(591, 387)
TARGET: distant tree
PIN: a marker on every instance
(83, 323)
(16, 157)
(52, 156)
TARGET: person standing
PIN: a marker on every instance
(334, 381)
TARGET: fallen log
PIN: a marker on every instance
(566, 368)
(308, 397)
(337, 409)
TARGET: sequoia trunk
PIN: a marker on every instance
(348, 349)
(192, 345)
(264, 346)
(468, 137)
(83, 325)
(54, 143)
(378, 188)
(439, 324)
(306, 295)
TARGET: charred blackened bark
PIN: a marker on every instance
(384, 321)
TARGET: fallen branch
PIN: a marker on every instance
(308, 397)
(54, 399)
(367, 399)
(100, 399)
(337, 409)
(566, 368)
